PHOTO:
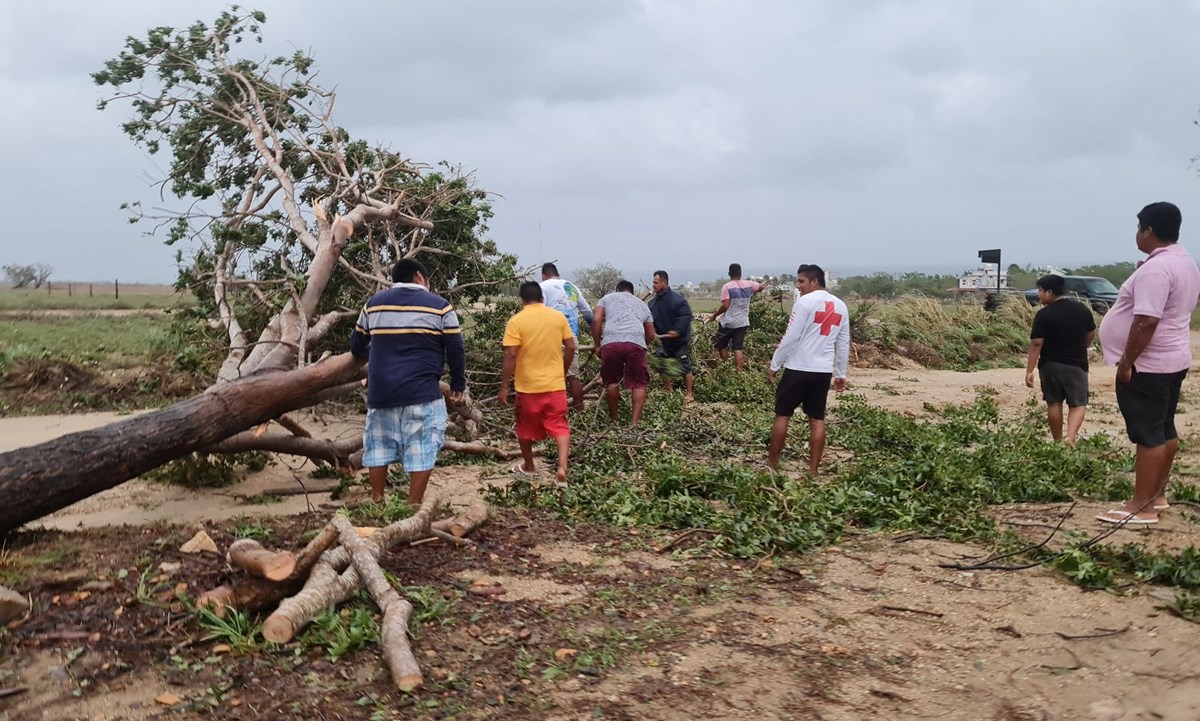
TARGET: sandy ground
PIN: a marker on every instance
(139, 502)
(914, 391)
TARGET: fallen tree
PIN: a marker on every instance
(41, 479)
(290, 224)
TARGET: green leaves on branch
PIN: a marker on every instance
(938, 475)
(260, 170)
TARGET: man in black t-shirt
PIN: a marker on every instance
(1063, 331)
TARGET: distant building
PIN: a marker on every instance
(983, 277)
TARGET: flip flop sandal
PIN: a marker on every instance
(520, 468)
(1162, 507)
(1117, 515)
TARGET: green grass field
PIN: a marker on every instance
(92, 296)
(84, 339)
(707, 305)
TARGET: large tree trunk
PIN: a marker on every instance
(41, 479)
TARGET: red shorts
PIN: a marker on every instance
(542, 414)
(624, 361)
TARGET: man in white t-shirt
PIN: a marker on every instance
(566, 298)
(734, 314)
(624, 327)
(814, 351)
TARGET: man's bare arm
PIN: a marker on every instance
(568, 353)
(1035, 352)
(597, 324)
(721, 309)
(506, 372)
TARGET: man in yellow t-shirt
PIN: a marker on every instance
(538, 348)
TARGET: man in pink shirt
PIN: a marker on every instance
(734, 315)
(1146, 335)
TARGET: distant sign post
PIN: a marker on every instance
(992, 256)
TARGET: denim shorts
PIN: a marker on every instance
(412, 435)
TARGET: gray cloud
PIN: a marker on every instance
(675, 133)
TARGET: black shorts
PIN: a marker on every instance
(1148, 402)
(802, 389)
(730, 336)
(1063, 382)
(680, 354)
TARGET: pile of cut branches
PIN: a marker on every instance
(328, 571)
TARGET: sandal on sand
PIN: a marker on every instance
(520, 468)
(1161, 506)
(1118, 515)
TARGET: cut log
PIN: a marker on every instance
(323, 579)
(246, 593)
(297, 611)
(476, 515)
(253, 594)
(12, 605)
(249, 555)
(38, 480)
(319, 544)
(406, 674)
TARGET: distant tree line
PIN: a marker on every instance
(1026, 277)
(599, 279)
(894, 285)
(22, 276)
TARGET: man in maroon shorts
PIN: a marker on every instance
(627, 326)
(538, 348)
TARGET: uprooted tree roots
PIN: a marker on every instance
(329, 570)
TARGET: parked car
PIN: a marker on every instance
(1097, 292)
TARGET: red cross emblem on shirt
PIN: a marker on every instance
(827, 318)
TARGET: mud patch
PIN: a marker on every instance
(51, 384)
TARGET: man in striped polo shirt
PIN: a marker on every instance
(408, 334)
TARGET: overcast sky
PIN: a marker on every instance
(681, 134)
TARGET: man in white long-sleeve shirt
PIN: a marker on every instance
(814, 353)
